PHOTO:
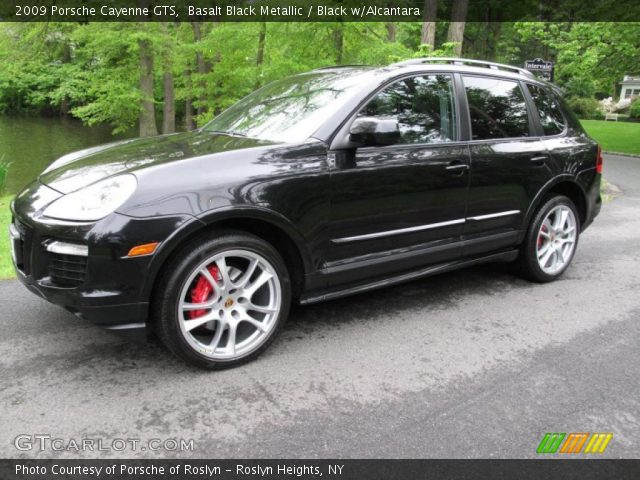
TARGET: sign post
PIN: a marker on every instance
(541, 68)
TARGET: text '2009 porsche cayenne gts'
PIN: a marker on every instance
(320, 185)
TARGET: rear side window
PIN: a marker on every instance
(497, 108)
(551, 117)
(423, 105)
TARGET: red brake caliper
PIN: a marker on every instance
(202, 291)
(540, 238)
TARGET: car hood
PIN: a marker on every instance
(89, 166)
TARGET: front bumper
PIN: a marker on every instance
(125, 319)
(105, 287)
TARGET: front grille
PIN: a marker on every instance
(67, 270)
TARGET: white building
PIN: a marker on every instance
(630, 87)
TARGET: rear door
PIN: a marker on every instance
(509, 162)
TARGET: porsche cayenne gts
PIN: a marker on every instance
(320, 185)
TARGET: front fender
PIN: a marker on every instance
(197, 224)
(265, 214)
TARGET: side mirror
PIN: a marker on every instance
(373, 131)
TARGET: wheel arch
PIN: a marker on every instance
(263, 223)
(563, 185)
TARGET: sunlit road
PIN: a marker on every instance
(475, 363)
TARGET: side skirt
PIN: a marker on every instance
(330, 294)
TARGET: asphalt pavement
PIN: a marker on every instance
(475, 363)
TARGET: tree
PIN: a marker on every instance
(260, 54)
(203, 67)
(147, 120)
(391, 32)
(169, 108)
(591, 58)
(430, 13)
(456, 27)
(121, 73)
(338, 41)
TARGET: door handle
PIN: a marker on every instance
(539, 159)
(457, 168)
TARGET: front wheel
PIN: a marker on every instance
(222, 300)
(551, 240)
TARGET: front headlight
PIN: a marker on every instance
(95, 201)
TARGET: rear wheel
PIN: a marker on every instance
(222, 300)
(551, 240)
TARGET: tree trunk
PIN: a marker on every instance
(169, 112)
(391, 32)
(260, 54)
(169, 103)
(430, 14)
(66, 58)
(456, 27)
(202, 67)
(338, 42)
(493, 38)
(147, 119)
(189, 123)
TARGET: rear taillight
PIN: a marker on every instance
(599, 160)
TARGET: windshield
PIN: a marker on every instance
(289, 110)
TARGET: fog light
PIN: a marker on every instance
(64, 248)
(144, 249)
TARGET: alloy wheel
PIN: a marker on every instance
(229, 304)
(556, 240)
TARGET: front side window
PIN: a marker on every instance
(497, 108)
(551, 117)
(423, 106)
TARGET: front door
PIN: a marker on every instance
(397, 207)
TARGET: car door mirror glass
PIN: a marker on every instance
(374, 131)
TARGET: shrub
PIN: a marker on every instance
(580, 87)
(585, 107)
(634, 109)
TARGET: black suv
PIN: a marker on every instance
(317, 186)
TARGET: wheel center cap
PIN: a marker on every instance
(228, 302)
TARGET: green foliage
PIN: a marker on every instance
(93, 71)
(585, 107)
(6, 266)
(590, 57)
(445, 50)
(634, 109)
(4, 171)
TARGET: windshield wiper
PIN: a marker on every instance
(227, 132)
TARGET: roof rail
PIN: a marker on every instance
(330, 67)
(464, 61)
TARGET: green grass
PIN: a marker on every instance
(620, 137)
(6, 268)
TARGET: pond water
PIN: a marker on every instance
(32, 143)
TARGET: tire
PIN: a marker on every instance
(542, 233)
(198, 308)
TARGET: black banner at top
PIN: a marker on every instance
(314, 10)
